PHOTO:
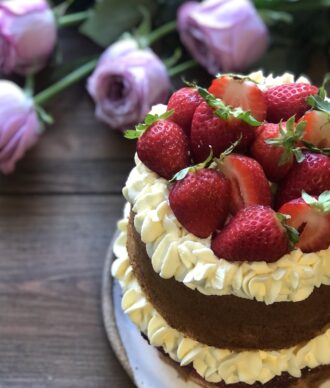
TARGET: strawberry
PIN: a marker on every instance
(311, 216)
(287, 100)
(317, 129)
(162, 145)
(275, 147)
(249, 185)
(255, 233)
(311, 175)
(184, 103)
(209, 130)
(241, 93)
(200, 201)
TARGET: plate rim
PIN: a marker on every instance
(108, 312)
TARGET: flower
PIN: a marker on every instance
(28, 35)
(19, 125)
(126, 83)
(222, 35)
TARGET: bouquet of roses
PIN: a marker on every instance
(146, 43)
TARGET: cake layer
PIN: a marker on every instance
(215, 365)
(176, 253)
(228, 321)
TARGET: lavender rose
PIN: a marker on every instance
(222, 35)
(27, 35)
(126, 83)
(19, 125)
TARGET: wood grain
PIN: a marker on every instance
(58, 213)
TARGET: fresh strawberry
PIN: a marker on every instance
(287, 100)
(317, 129)
(249, 185)
(184, 103)
(255, 233)
(209, 130)
(162, 145)
(275, 147)
(200, 201)
(311, 175)
(311, 216)
(240, 93)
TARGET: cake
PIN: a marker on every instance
(223, 255)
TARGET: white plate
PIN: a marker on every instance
(140, 360)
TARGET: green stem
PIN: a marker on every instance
(182, 67)
(72, 19)
(42, 97)
(29, 85)
(160, 32)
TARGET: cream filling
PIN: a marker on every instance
(213, 364)
(175, 252)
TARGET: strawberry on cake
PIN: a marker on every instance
(223, 254)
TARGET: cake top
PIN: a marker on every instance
(243, 167)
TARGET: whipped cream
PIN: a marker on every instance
(175, 252)
(213, 364)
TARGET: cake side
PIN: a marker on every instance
(211, 363)
(228, 321)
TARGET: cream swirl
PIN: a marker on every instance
(213, 364)
(175, 252)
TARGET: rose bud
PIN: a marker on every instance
(27, 35)
(19, 125)
(222, 35)
(126, 83)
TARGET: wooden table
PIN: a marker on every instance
(58, 213)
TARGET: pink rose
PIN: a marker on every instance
(28, 35)
(19, 125)
(126, 83)
(222, 35)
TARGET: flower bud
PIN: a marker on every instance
(126, 83)
(27, 35)
(19, 125)
(222, 35)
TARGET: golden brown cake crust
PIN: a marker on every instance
(228, 321)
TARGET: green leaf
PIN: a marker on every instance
(111, 18)
(322, 204)
(322, 91)
(311, 147)
(293, 233)
(148, 121)
(222, 110)
(184, 172)
(319, 103)
(44, 117)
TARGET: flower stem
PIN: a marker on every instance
(160, 32)
(182, 67)
(29, 85)
(42, 97)
(72, 19)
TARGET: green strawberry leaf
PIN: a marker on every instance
(322, 90)
(184, 172)
(311, 147)
(222, 110)
(322, 204)
(288, 139)
(148, 121)
(292, 233)
(319, 103)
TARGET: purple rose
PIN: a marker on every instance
(222, 35)
(126, 83)
(28, 35)
(19, 125)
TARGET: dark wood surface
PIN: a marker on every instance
(58, 213)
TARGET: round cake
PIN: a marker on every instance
(223, 253)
